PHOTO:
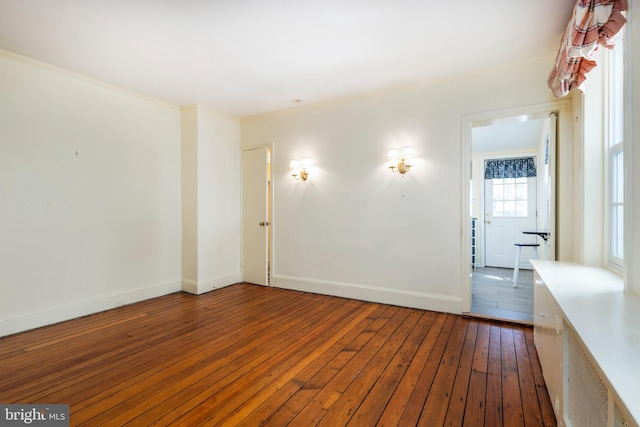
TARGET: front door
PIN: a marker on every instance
(255, 216)
(510, 208)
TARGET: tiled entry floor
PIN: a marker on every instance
(493, 294)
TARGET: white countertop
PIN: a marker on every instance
(606, 319)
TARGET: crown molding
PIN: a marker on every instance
(46, 66)
(199, 107)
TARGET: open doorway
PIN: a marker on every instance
(508, 205)
(511, 178)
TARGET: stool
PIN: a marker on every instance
(519, 247)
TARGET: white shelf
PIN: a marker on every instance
(605, 318)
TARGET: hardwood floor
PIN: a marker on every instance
(250, 355)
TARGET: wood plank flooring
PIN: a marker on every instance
(493, 294)
(247, 355)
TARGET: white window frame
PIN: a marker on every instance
(614, 143)
(615, 261)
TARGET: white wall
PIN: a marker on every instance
(218, 200)
(189, 185)
(210, 200)
(89, 196)
(354, 228)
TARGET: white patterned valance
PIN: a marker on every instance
(523, 167)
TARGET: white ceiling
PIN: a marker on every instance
(511, 135)
(246, 57)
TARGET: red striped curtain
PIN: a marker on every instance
(593, 23)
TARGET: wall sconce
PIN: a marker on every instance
(400, 163)
(299, 169)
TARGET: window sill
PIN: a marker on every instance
(605, 317)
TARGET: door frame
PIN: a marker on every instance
(270, 208)
(481, 260)
(562, 162)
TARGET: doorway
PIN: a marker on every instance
(527, 133)
(509, 206)
(256, 215)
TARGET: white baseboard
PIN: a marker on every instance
(208, 285)
(404, 298)
(74, 309)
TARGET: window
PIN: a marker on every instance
(615, 120)
(617, 205)
(510, 197)
(509, 185)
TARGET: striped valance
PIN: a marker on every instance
(593, 23)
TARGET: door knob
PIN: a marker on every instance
(264, 223)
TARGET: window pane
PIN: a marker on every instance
(498, 192)
(618, 232)
(618, 178)
(617, 91)
(510, 192)
(510, 197)
(615, 178)
(510, 208)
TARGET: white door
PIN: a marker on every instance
(255, 216)
(510, 208)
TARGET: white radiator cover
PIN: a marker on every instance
(620, 419)
(587, 397)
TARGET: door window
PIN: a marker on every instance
(510, 197)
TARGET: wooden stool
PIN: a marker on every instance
(518, 249)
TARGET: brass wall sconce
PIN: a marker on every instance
(400, 163)
(299, 169)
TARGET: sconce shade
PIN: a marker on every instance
(299, 168)
(408, 152)
(402, 163)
